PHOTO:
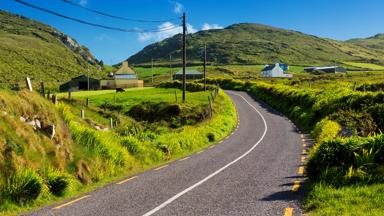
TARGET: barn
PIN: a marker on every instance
(326, 69)
(190, 74)
(80, 83)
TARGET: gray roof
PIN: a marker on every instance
(189, 72)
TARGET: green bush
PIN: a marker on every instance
(57, 182)
(23, 187)
(358, 160)
(360, 122)
(325, 130)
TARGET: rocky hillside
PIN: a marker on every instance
(259, 44)
(30, 48)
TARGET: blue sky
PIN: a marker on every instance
(337, 19)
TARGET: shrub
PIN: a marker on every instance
(57, 182)
(211, 137)
(360, 122)
(325, 130)
(23, 187)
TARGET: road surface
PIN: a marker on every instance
(255, 171)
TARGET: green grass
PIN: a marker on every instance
(357, 200)
(136, 96)
(97, 157)
(366, 66)
(85, 94)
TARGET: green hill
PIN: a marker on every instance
(375, 42)
(30, 48)
(259, 44)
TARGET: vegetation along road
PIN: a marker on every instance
(253, 171)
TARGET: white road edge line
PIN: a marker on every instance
(219, 170)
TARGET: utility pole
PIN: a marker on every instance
(205, 66)
(170, 66)
(184, 56)
(88, 79)
(152, 71)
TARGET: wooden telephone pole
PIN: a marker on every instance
(205, 67)
(184, 56)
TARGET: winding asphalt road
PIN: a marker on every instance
(252, 172)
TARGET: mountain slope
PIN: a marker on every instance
(375, 42)
(258, 44)
(30, 48)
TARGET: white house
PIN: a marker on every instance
(276, 70)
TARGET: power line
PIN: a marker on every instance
(135, 30)
(118, 17)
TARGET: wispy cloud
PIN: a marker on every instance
(166, 30)
(83, 2)
(207, 26)
(179, 8)
(102, 38)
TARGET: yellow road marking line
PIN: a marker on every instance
(162, 167)
(71, 202)
(304, 145)
(296, 186)
(302, 140)
(126, 180)
(232, 133)
(300, 171)
(221, 141)
(302, 136)
(303, 159)
(199, 152)
(288, 211)
(304, 152)
(212, 146)
(186, 158)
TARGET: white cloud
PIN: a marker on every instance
(166, 30)
(83, 3)
(208, 26)
(179, 8)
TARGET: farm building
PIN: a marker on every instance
(190, 74)
(125, 77)
(277, 70)
(80, 83)
(327, 69)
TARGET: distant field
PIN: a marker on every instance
(365, 65)
(136, 96)
(83, 94)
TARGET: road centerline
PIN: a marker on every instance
(175, 197)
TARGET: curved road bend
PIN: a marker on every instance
(252, 172)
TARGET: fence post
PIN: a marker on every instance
(176, 95)
(42, 89)
(210, 107)
(82, 114)
(212, 96)
(364, 88)
(87, 102)
(54, 99)
(49, 95)
(29, 84)
(69, 94)
(111, 123)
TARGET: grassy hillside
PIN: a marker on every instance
(375, 42)
(30, 48)
(258, 44)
